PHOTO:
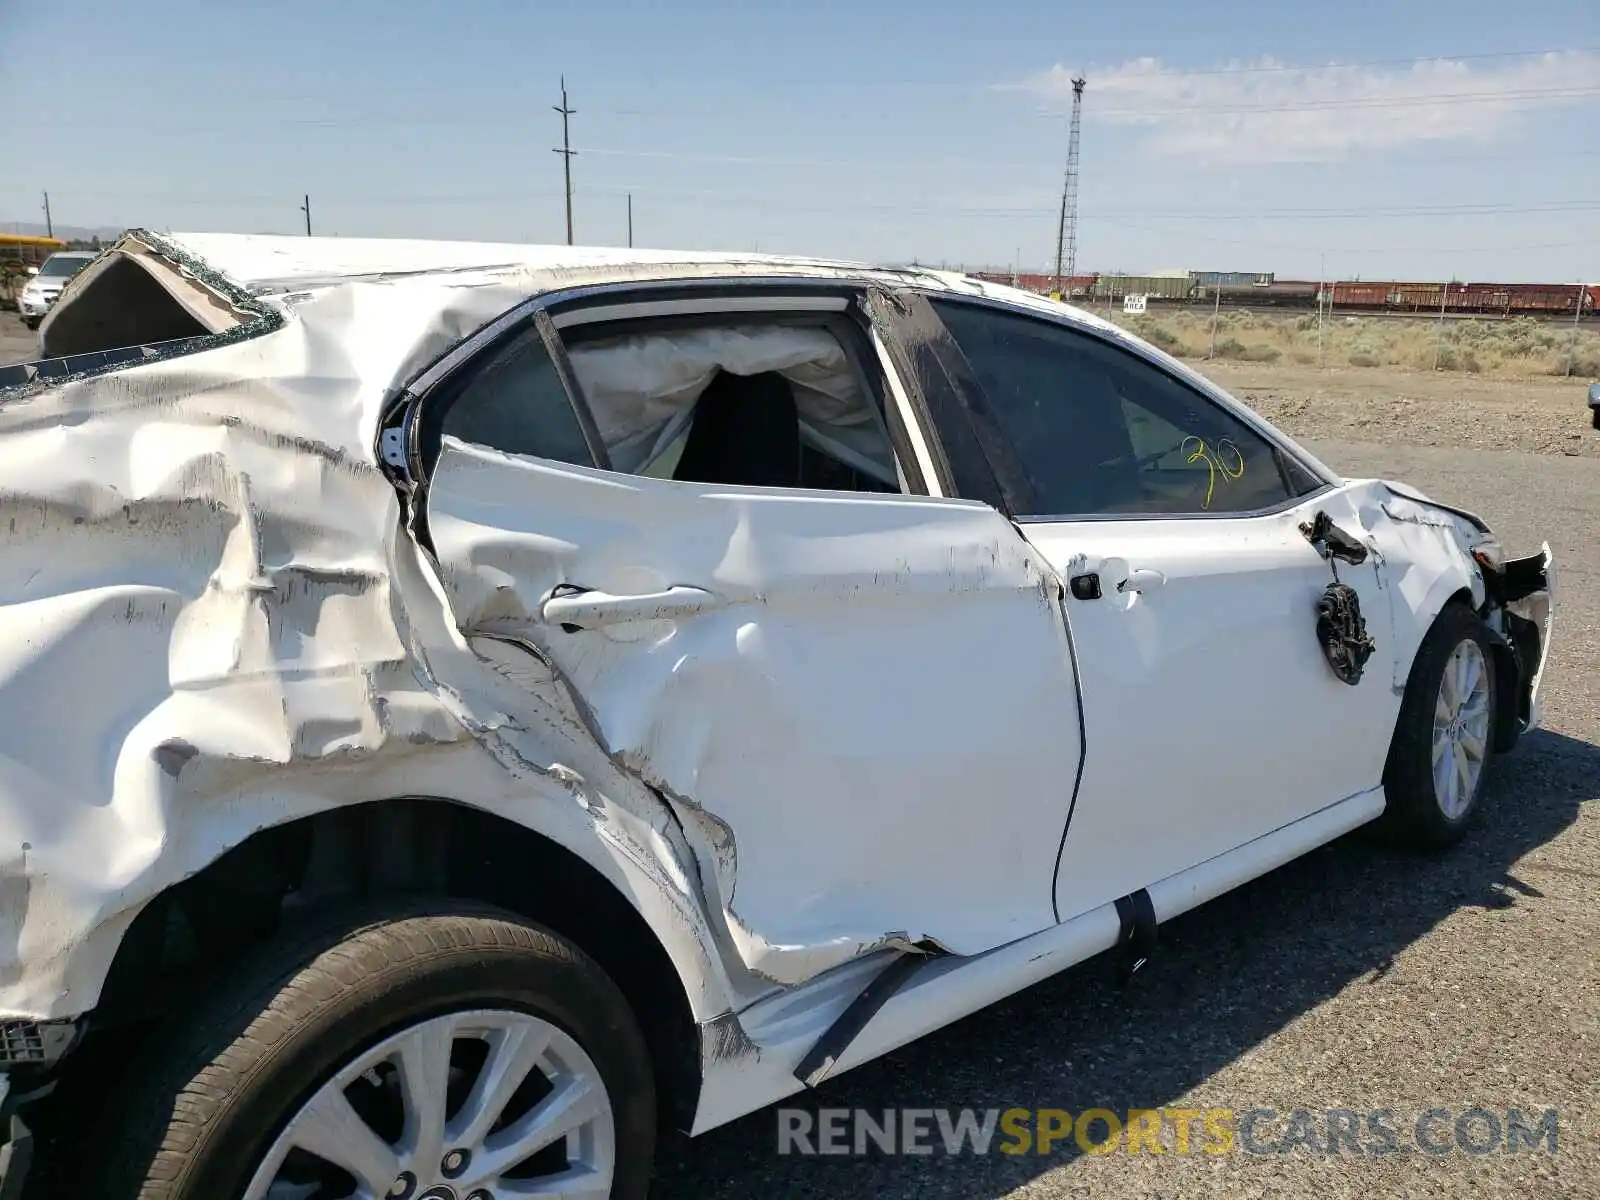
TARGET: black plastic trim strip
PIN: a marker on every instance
(1136, 936)
(936, 375)
(698, 287)
(1241, 515)
(557, 351)
(1523, 577)
(820, 1060)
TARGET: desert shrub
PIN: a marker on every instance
(1454, 358)
(1303, 357)
(1261, 353)
(1524, 337)
(1582, 366)
(1230, 347)
(1369, 350)
(1305, 324)
(1161, 335)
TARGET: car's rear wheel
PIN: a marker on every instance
(1443, 741)
(1594, 416)
(409, 1054)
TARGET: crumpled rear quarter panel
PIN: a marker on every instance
(211, 621)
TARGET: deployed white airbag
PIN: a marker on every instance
(642, 389)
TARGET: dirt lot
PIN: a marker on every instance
(17, 342)
(1355, 978)
(1540, 415)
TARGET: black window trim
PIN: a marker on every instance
(545, 310)
(1208, 393)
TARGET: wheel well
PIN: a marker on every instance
(399, 847)
(1510, 706)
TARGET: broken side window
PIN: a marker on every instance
(768, 404)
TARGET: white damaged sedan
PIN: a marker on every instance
(466, 707)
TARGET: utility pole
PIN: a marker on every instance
(566, 151)
(1067, 231)
(1438, 337)
(1577, 315)
(1216, 311)
(1322, 278)
(630, 220)
(49, 226)
(306, 208)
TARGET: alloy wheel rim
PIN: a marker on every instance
(1460, 729)
(477, 1105)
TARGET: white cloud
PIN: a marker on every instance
(1266, 111)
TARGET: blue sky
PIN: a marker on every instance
(1248, 135)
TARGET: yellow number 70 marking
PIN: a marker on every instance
(1225, 459)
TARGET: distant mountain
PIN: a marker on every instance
(67, 233)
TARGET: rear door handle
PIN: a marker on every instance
(595, 609)
(1142, 580)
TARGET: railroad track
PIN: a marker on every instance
(1589, 320)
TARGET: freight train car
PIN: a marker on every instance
(1156, 287)
(1544, 297)
(1071, 285)
(1280, 293)
(1487, 299)
(1231, 278)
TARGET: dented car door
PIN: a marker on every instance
(861, 707)
(1195, 562)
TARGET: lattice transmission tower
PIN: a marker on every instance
(1067, 232)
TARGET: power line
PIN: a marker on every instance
(720, 198)
(969, 165)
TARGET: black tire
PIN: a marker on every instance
(1594, 417)
(1414, 816)
(32, 322)
(209, 1093)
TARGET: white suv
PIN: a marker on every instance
(40, 292)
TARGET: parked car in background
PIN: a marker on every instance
(463, 707)
(41, 291)
(21, 255)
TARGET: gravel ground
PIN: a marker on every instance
(1356, 978)
(1539, 415)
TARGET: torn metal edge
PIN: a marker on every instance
(264, 319)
